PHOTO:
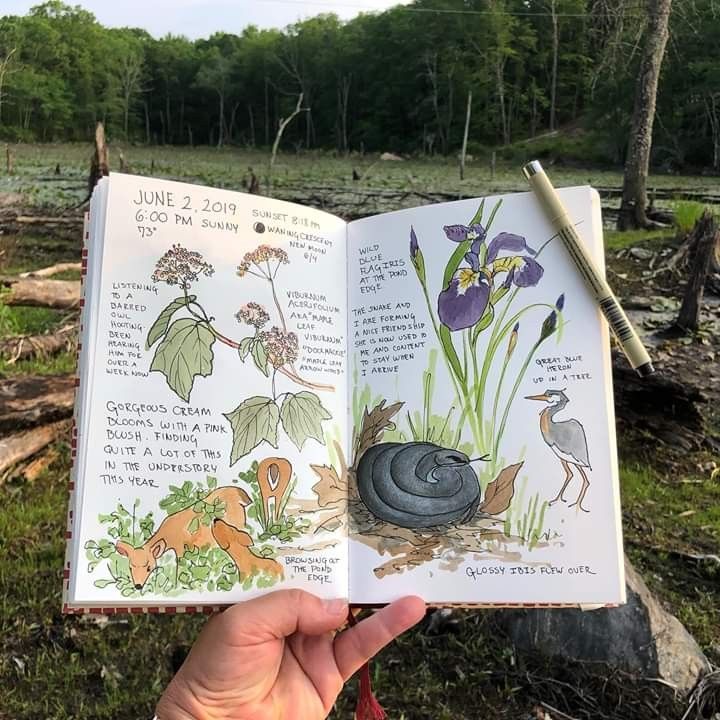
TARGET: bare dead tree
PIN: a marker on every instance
(290, 62)
(615, 45)
(284, 122)
(5, 70)
(432, 73)
(634, 198)
(552, 7)
(706, 239)
(712, 110)
(343, 99)
(130, 76)
(465, 135)
(99, 164)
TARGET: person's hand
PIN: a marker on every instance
(277, 658)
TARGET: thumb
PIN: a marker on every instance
(282, 613)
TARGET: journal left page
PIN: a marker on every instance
(214, 401)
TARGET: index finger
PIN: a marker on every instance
(357, 645)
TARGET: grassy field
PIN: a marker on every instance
(70, 667)
(35, 172)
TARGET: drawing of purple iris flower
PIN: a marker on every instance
(469, 291)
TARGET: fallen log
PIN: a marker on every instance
(58, 294)
(38, 465)
(34, 346)
(52, 270)
(20, 446)
(28, 401)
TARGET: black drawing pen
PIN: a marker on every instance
(617, 319)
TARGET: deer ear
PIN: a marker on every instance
(158, 548)
(243, 538)
(123, 548)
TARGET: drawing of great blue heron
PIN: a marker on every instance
(566, 438)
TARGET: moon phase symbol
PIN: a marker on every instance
(259, 227)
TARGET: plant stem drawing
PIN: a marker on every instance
(479, 286)
(566, 438)
(185, 350)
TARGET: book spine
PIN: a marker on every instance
(76, 410)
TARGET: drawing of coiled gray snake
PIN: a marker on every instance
(418, 484)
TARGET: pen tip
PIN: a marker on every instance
(645, 369)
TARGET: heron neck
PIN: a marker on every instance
(555, 409)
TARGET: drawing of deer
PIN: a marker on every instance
(237, 543)
(173, 534)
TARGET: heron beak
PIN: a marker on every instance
(543, 398)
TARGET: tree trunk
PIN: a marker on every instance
(231, 127)
(221, 124)
(251, 117)
(431, 71)
(634, 198)
(100, 164)
(465, 136)
(284, 122)
(343, 95)
(267, 115)
(147, 123)
(553, 77)
(707, 237)
(4, 69)
(711, 108)
(168, 121)
(182, 116)
(499, 76)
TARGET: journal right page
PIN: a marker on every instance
(483, 465)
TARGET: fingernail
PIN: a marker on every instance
(335, 606)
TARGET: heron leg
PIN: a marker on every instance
(585, 486)
(568, 478)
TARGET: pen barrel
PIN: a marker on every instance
(614, 314)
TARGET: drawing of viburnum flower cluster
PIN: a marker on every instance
(253, 314)
(185, 350)
(180, 266)
(282, 347)
(260, 259)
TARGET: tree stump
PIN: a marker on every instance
(705, 237)
(100, 164)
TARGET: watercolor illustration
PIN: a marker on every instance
(211, 538)
(566, 438)
(184, 336)
(417, 484)
(435, 484)
(479, 323)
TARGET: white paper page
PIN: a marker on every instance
(498, 537)
(246, 367)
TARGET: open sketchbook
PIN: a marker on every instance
(417, 402)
